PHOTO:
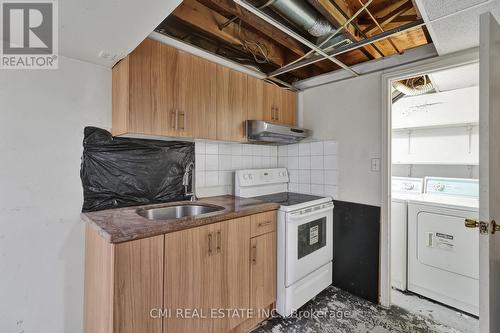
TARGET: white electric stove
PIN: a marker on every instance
(305, 235)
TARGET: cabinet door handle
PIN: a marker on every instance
(263, 224)
(172, 119)
(210, 244)
(218, 241)
(183, 115)
(176, 119)
(277, 113)
(254, 254)
(273, 113)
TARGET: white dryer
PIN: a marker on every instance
(443, 255)
(402, 190)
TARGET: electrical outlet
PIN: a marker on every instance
(375, 164)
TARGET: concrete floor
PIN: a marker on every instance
(435, 311)
(337, 311)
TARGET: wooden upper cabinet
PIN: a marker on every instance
(271, 103)
(288, 110)
(256, 99)
(143, 95)
(196, 97)
(231, 104)
(160, 90)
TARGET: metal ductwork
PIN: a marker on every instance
(414, 89)
(300, 13)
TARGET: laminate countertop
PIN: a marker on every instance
(124, 224)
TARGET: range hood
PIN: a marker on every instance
(266, 132)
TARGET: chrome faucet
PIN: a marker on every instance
(185, 182)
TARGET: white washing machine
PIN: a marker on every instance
(402, 190)
(443, 255)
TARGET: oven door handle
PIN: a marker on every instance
(294, 216)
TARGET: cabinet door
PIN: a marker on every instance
(288, 110)
(231, 104)
(144, 88)
(272, 101)
(138, 285)
(232, 273)
(256, 103)
(188, 279)
(196, 97)
(263, 271)
(168, 78)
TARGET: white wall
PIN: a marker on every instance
(42, 116)
(349, 112)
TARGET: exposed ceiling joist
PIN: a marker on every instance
(279, 40)
(337, 17)
(196, 14)
(254, 21)
(384, 17)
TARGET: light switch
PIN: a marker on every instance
(376, 164)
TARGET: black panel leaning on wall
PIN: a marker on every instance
(121, 172)
(356, 240)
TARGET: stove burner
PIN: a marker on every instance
(288, 198)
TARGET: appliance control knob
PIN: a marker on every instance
(408, 186)
(439, 187)
(245, 176)
(250, 176)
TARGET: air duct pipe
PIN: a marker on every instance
(300, 13)
(413, 91)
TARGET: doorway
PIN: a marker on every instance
(431, 144)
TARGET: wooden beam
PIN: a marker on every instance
(202, 17)
(399, 19)
(389, 16)
(257, 23)
(337, 19)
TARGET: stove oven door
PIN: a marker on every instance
(309, 241)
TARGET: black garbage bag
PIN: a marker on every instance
(120, 172)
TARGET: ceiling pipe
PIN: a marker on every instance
(303, 15)
(293, 34)
(345, 49)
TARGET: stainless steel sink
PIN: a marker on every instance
(178, 211)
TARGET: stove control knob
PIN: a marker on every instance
(250, 176)
(245, 176)
(439, 187)
(408, 186)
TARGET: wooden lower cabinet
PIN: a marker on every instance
(263, 271)
(197, 277)
(123, 282)
(207, 270)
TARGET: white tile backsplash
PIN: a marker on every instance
(217, 161)
(317, 148)
(304, 149)
(211, 162)
(312, 167)
(211, 148)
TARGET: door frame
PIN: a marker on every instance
(428, 66)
